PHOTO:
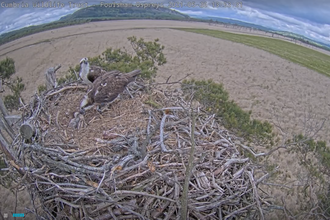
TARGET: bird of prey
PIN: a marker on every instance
(89, 73)
(106, 89)
(51, 77)
(78, 121)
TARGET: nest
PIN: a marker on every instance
(152, 155)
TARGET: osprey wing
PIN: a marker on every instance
(107, 87)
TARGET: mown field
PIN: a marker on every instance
(309, 58)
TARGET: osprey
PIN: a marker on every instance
(89, 73)
(106, 89)
(51, 78)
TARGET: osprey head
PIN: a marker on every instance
(84, 60)
(84, 70)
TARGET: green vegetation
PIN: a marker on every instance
(12, 101)
(152, 103)
(303, 39)
(315, 157)
(148, 56)
(98, 12)
(216, 100)
(305, 146)
(70, 77)
(13, 35)
(42, 88)
(295, 53)
(7, 69)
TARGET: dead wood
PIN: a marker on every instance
(133, 161)
(27, 130)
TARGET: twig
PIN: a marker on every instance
(64, 89)
(256, 195)
(184, 199)
(161, 134)
(100, 183)
(175, 82)
(126, 192)
(57, 68)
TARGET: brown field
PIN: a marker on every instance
(274, 89)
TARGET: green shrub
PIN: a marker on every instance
(12, 101)
(216, 100)
(325, 203)
(42, 88)
(323, 155)
(7, 68)
(149, 55)
(70, 76)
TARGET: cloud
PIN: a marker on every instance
(191, 12)
(271, 18)
(18, 17)
(316, 11)
(279, 21)
(309, 18)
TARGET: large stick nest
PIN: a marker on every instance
(131, 161)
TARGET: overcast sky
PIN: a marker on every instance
(307, 17)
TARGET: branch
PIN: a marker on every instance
(65, 88)
(121, 192)
(184, 201)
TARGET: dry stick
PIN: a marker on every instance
(239, 210)
(3, 108)
(251, 151)
(100, 183)
(167, 83)
(234, 160)
(122, 192)
(5, 147)
(176, 196)
(184, 201)
(68, 168)
(5, 126)
(65, 88)
(56, 120)
(133, 176)
(256, 195)
(146, 205)
(149, 124)
(161, 134)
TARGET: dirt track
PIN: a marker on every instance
(275, 89)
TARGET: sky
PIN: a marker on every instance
(310, 18)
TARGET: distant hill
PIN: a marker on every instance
(236, 22)
(97, 13)
(13, 35)
(304, 39)
(291, 35)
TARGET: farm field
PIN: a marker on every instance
(285, 84)
(307, 57)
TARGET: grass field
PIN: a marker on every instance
(295, 53)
